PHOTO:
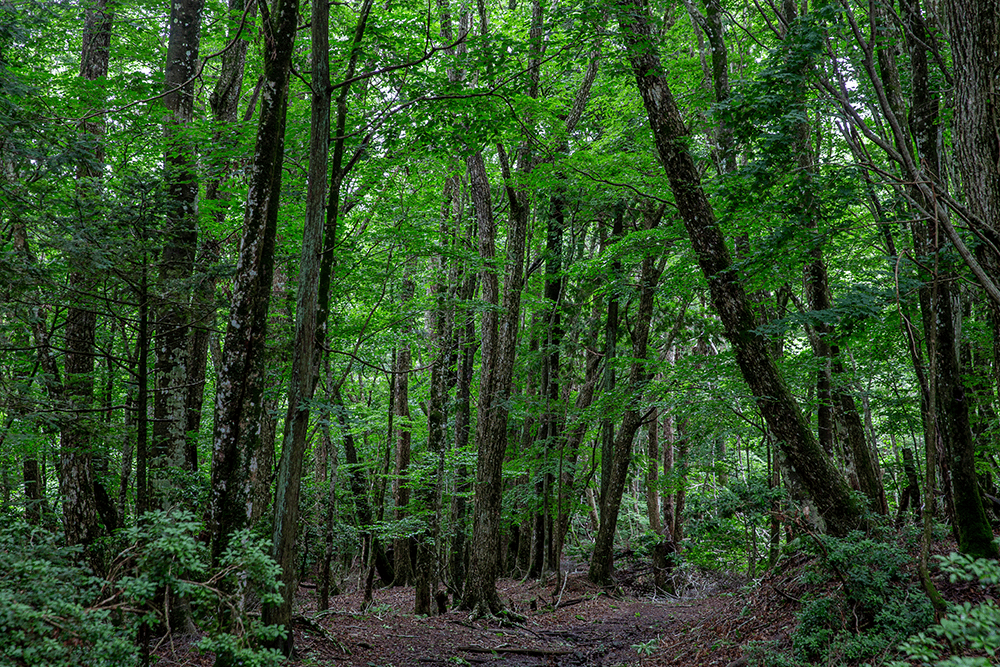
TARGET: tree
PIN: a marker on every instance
(824, 484)
(76, 483)
(242, 370)
(170, 449)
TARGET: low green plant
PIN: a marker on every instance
(647, 648)
(54, 612)
(874, 605)
(966, 627)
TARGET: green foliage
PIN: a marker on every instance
(966, 627)
(874, 604)
(55, 612)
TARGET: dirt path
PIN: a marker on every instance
(589, 627)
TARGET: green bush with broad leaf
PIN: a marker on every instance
(54, 612)
(873, 606)
(966, 627)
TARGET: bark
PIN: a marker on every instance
(440, 338)
(569, 490)
(467, 344)
(910, 497)
(837, 509)
(302, 384)
(400, 486)
(610, 343)
(602, 560)
(170, 451)
(499, 343)
(328, 511)
(242, 372)
(224, 102)
(76, 482)
(975, 39)
(34, 499)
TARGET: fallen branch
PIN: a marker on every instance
(518, 651)
(313, 626)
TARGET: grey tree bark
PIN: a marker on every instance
(172, 309)
(241, 374)
(76, 481)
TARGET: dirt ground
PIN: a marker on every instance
(709, 623)
(579, 624)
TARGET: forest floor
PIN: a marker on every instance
(576, 624)
(711, 623)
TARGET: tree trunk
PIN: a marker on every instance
(242, 373)
(170, 451)
(302, 384)
(838, 510)
(499, 344)
(602, 561)
(975, 39)
(610, 343)
(76, 482)
(400, 486)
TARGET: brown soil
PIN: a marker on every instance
(709, 624)
(580, 624)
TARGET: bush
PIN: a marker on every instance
(55, 612)
(874, 606)
(966, 627)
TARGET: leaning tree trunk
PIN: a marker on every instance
(820, 479)
(839, 423)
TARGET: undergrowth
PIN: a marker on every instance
(55, 612)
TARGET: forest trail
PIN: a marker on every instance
(588, 627)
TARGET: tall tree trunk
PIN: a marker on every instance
(822, 481)
(76, 482)
(602, 561)
(400, 486)
(975, 39)
(839, 423)
(242, 372)
(499, 344)
(610, 343)
(302, 384)
(467, 344)
(224, 101)
(170, 451)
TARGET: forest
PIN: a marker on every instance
(301, 299)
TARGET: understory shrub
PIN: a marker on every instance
(872, 605)
(54, 612)
(966, 627)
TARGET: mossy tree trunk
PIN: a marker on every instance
(838, 510)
